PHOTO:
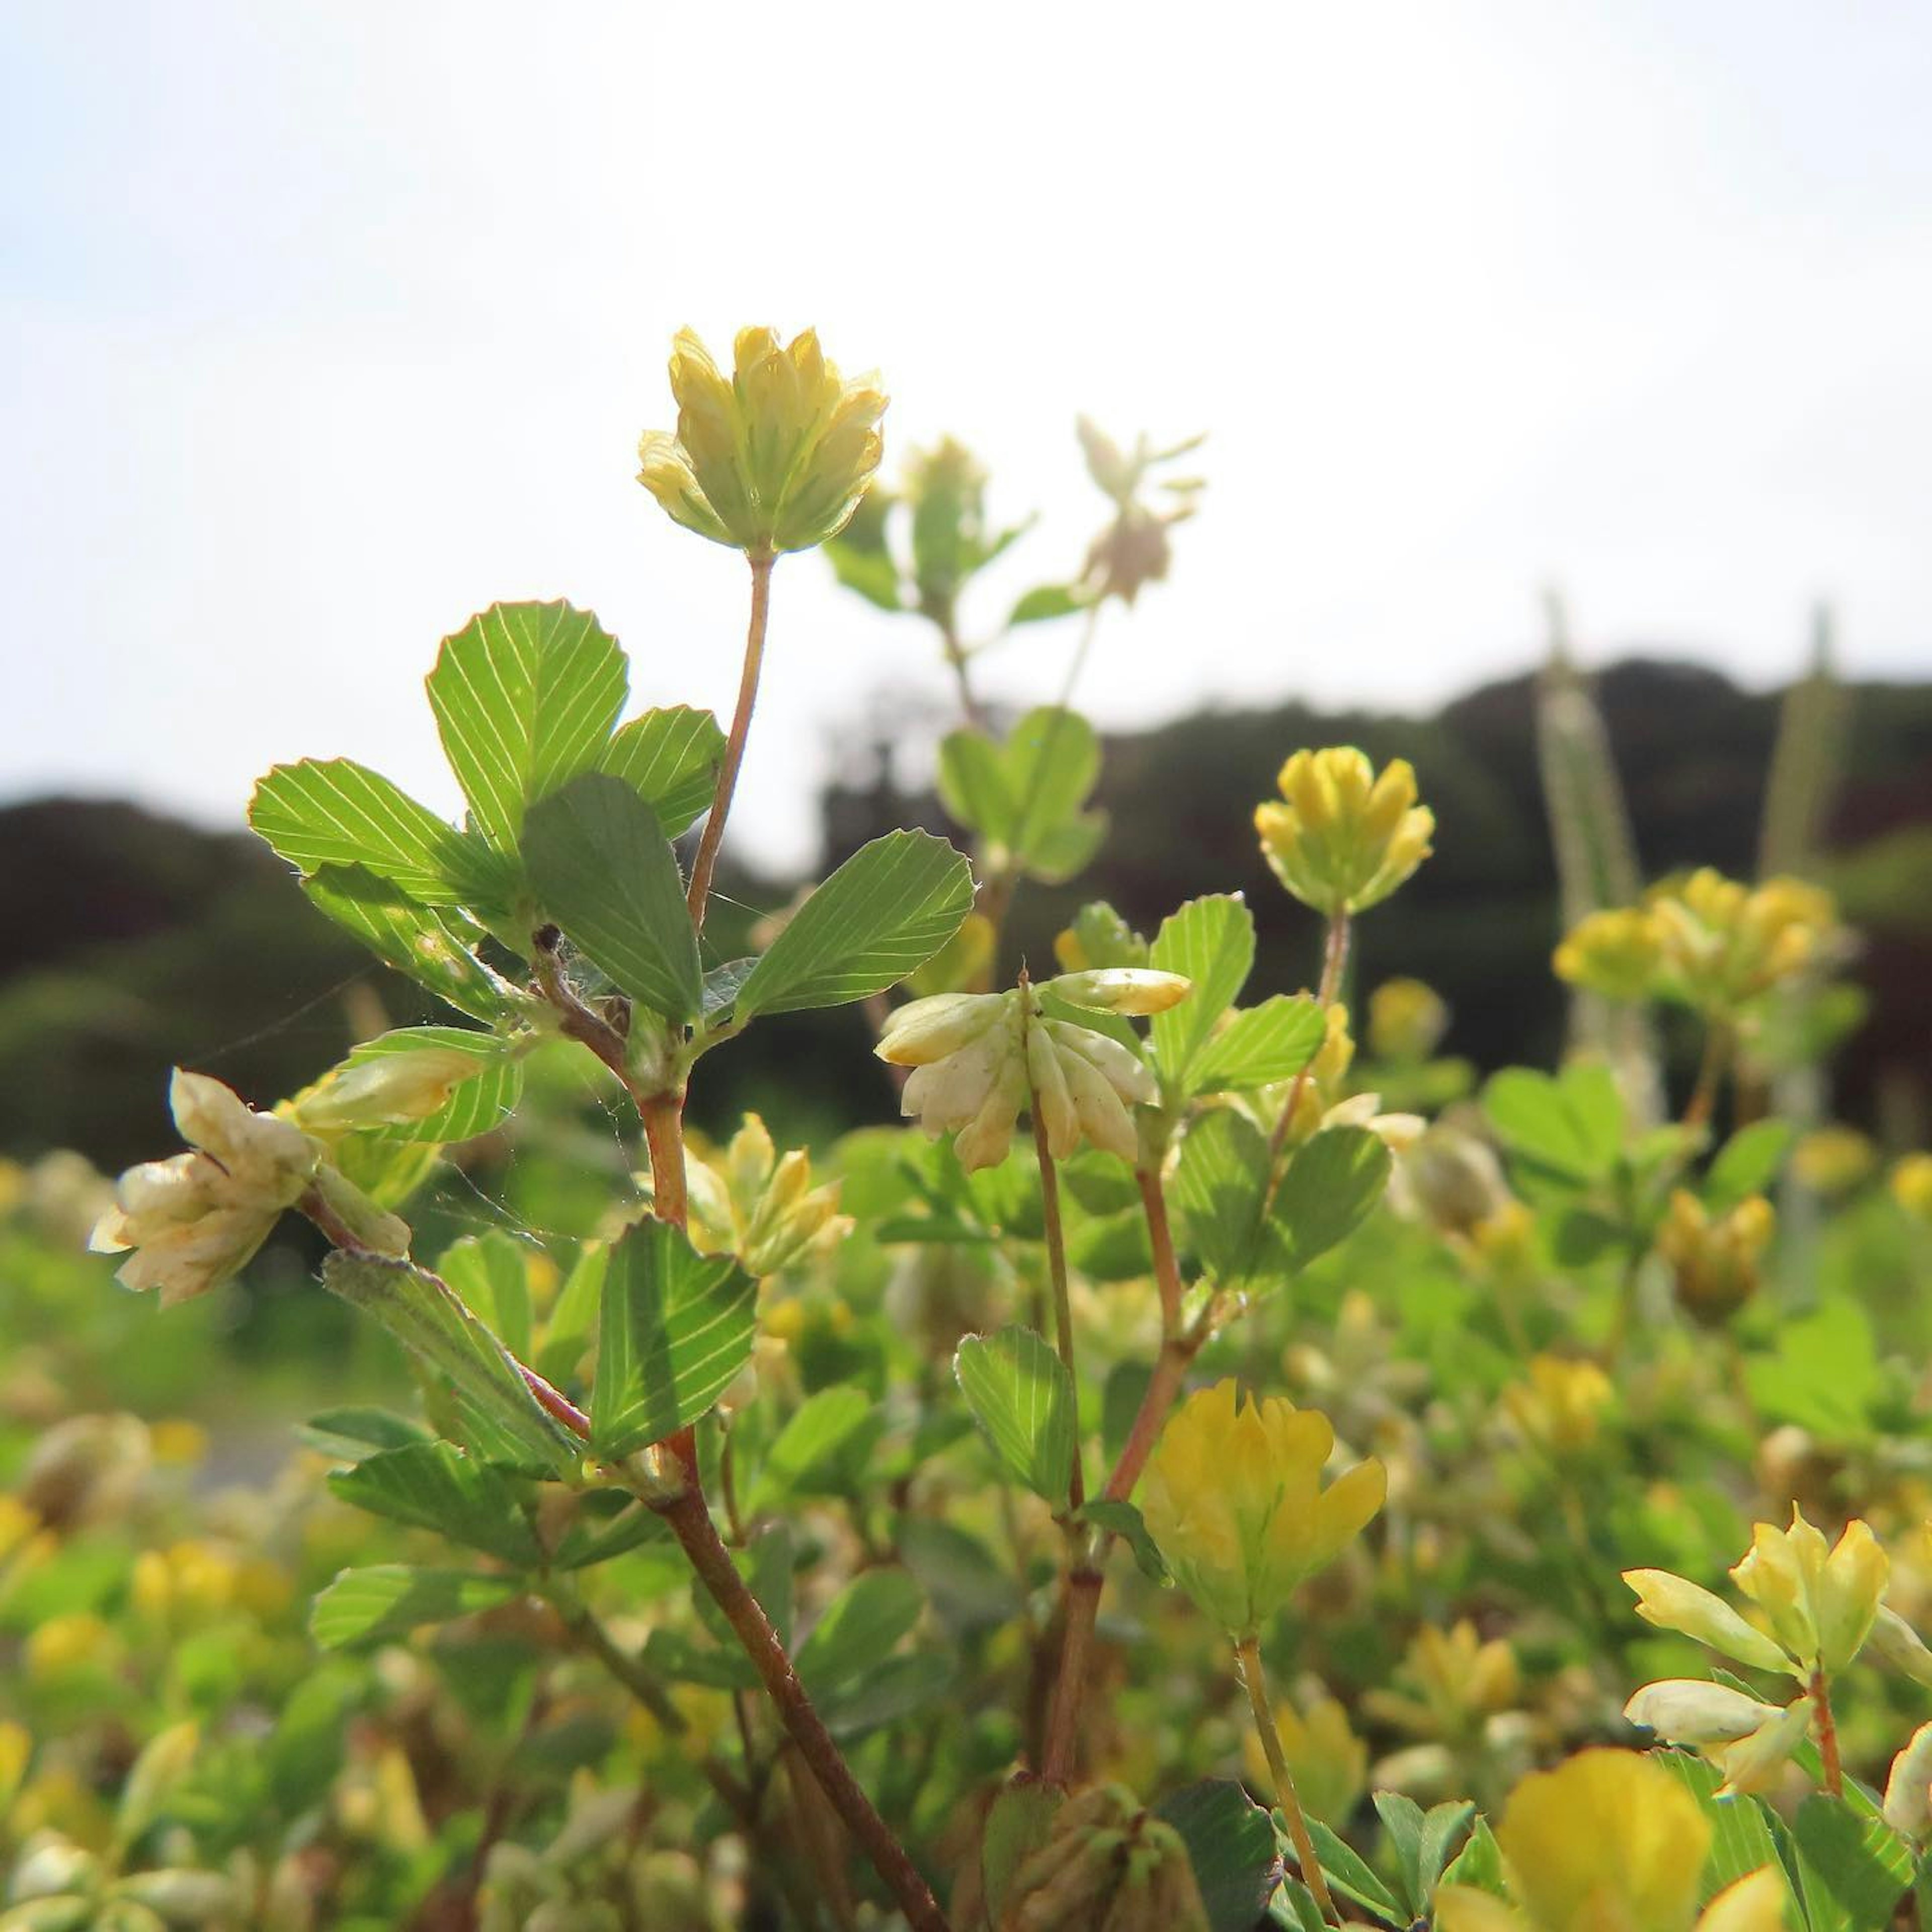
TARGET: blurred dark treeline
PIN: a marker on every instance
(137, 942)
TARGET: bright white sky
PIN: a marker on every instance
(323, 324)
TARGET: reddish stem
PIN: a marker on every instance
(699, 895)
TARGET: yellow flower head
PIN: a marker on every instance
(1560, 1406)
(1451, 1681)
(1407, 1020)
(750, 1201)
(1615, 953)
(1723, 943)
(774, 457)
(1833, 1160)
(1714, 1261)
(1233, 1496)
(1343, 839)
(1820, 1604)
(1911, 1185)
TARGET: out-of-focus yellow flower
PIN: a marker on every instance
(1452, 1681)
(750, 1202)
(18, 1525)
(68, 1645)
(1233, 1496)
(776, 456)
(1911, 1185)
(1343, 839)
(1561, 1406)
(1713, 1263)
(1329, 1762)
(177, 1442)
(1407, 1020)
(1749, 1741)
(1608, 1842)
(1616, 953)
(186, 1584)
(1098, 937)
(16, 1747)
(1321, 1088)
(1833, 1160)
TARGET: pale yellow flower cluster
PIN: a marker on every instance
(1714, 1259)
(1233, 1496)
(1342, 839)
(760, 1206)
(774, 457)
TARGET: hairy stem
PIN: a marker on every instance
(1334, 963)
(1248, 1654)
(699, 895)
(1082, 1596)
(664, 1130)
(691, 1522)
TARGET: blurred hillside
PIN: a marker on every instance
(139, 942)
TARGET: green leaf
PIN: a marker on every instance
(1347, 1874)
(1331, 1185)
(969, 1589)
(972, 785)
(480, 1105)
(525, 697)
(1741, 1839)
(669, 758)
(333, 811)
(434, 1486)
(612, 1524)
(872, 573)
(432, 944)
(1274, 1041)
(602, 869)
(1401, 1819)
(1746, 1163)
(1019, 1823)
(1044, 602)
(676, 1327)
(1219, 1188)
(390, 1600)
(1825, 1375)
(817, 1430)
(1124, 1520)
(502, 1420)
(887, 1694)
(1231, 1844)
(1573, 1125)
(1861, 1865)
(860, 1625)
(766, 1563)
(1212, 941)
(881, 915)
(1022, 1396)
(1480, 1863)
(1023, 796)
(1442, 1829)
(490, 1273)
(348, 1434)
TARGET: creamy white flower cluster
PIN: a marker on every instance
(976, 1057)
(194, 1219)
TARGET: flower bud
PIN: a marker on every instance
(1833, 1160)
(1407, 1020)
(1560, 1406)
(1715, 1262)
(775, 458)
(1344, 839)
(1137, 990)
(386, 1089)
(1107, 1866)
(1232, 1497)
(1675, 1604)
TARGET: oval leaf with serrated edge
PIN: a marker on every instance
(434, 1486)
(676, 1327)
(1211, 941)
(1334, 1181)
(503, 1421)
(1231, 1844)
(525, 697)
(669, 758)
(602, 869)
(881, 915)
(1022, 1396)
(860, 1625)
(390, 1600)
(1271, 1042)
(432, 944)
(333, 811)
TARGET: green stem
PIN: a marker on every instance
(1710, 1074)
(1334, 963)
(699, 895)
(1248, 1655)
(1056, 1267)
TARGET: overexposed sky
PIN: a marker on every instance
(323, 325)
